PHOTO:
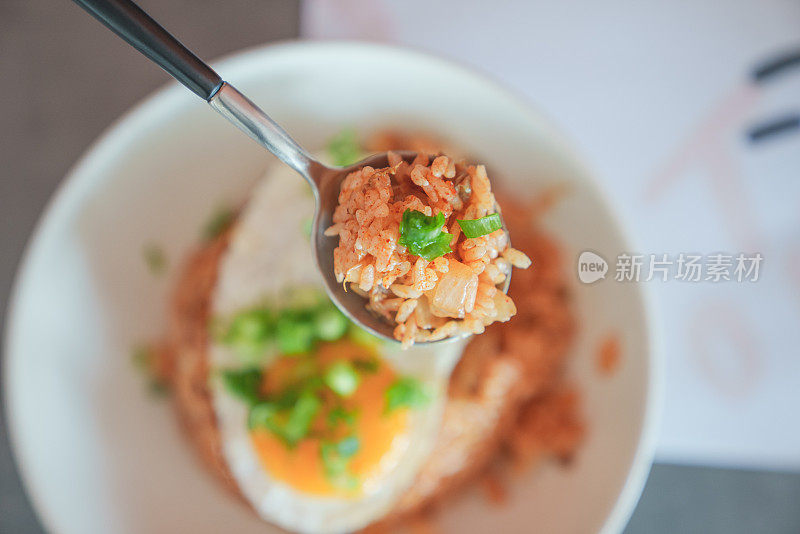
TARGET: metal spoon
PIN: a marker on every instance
(136, 27)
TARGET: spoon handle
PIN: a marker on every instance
(130, 22)
(250, 119)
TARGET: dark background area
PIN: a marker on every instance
(66, 79)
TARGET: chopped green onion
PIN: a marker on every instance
(341, 415)
(334, 464)
(344, 149)
(366, 365)
(286, 399)
(158, 388)
(406, 392)
(300, 417)
(145, 359)
(482, 226)
(154, 258)
(142, 358)
(243, 383)
(251, 326)
(305, 370)
(308, 316)
(264, 415)
(362, 337)
(304, 298)
(342, 378)
(291, 426)
(295, 334)
(348, 446)
(330, 324)
(438, 247)
(219, 221)
(422, 235)
(336, 461)
(249, 334)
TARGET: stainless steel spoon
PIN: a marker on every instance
(136, 27)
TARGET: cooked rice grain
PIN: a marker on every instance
(370, 258)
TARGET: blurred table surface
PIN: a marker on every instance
(66, 79)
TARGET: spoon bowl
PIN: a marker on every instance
(327, 184)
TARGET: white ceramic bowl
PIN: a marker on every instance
(98, 455)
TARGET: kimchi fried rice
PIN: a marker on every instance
(449, 283)
(508, 399)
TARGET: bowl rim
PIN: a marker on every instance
(78, 181)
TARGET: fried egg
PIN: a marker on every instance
(287, 486)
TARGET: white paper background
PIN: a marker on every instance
(658, 98)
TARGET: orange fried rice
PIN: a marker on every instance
(454, 293)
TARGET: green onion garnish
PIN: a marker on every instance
(342, 378)
(344, 149)
(300, 417)
(334, 464)
(330, 324)
(309, 317)
(482, 226)
(145, 359)
(154, 258)
(366, 365)
(291, 426)
(142, 358)
(243, 383)
(342, 415)
(250, 327)
(336, 461)
(348, 446)
(362, 337)
(303, 298)
(422, 235)
(218, 222)
(294, 334)
(250, 334)
(406, 392)
(264, 415)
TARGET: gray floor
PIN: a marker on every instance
(698, 500)
(51, 54)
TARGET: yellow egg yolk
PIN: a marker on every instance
(379, 432)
